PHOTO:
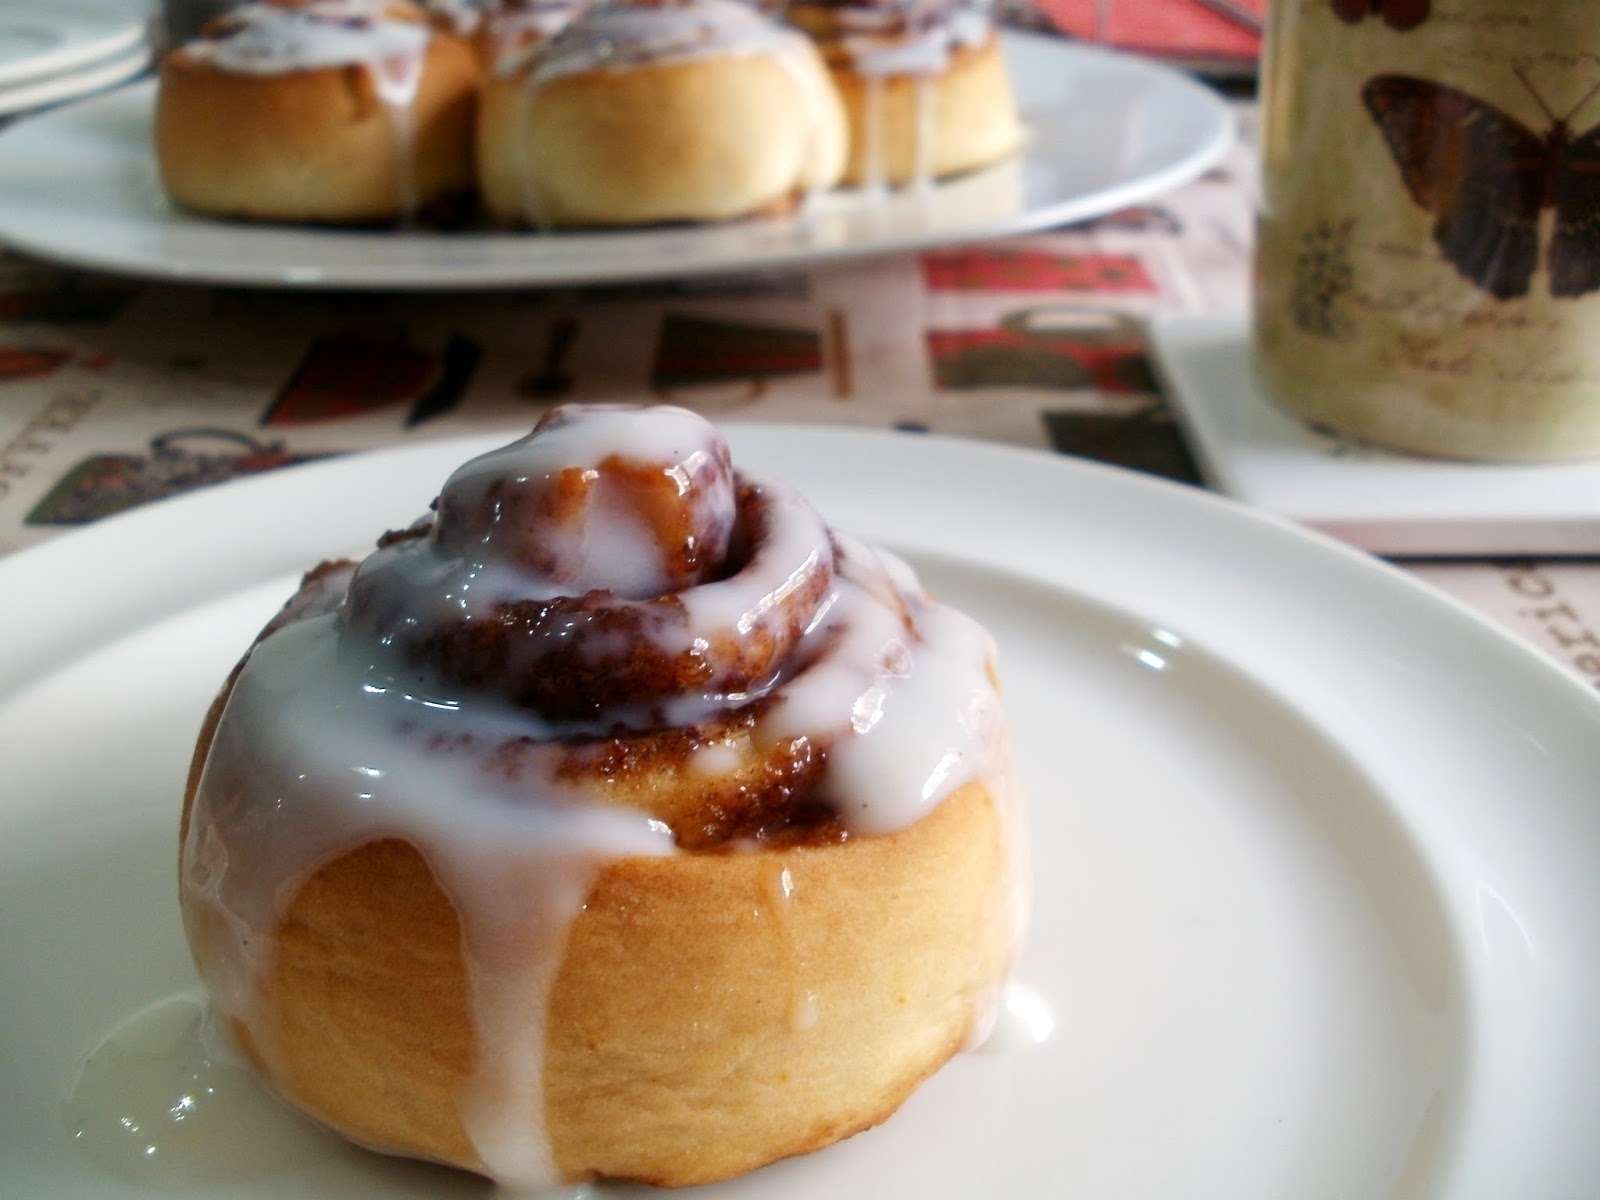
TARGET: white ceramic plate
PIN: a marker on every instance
(69, 85)
(1104, 131)
(42, 39)
(1380, 500)
(1318, 899)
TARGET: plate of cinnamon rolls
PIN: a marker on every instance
(459, 143)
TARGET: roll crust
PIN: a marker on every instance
(823, 1022)
(696, 140)
(911, 124)
(841, 972)
(972, 116)
(319, 145)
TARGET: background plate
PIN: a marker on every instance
(1104, 131)
(39, 40)
(69, 85)
(1317, 906)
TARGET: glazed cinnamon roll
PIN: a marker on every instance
(618, 819)
(651, 111)
(924, 84)
(336, 111)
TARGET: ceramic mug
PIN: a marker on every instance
(1428, 260)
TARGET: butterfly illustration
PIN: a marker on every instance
(1397, 14)
(1485, 178)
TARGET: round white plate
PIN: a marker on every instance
(69, 85)
(41, 39)
(1104, 131)
(1318, 900)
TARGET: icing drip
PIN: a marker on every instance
(526, 176)
(366, 712)
(895, 53)
(926, 137)
(518, 32)
(270, 39)
(903, 37)
(397, 80)
(510, 30)
(618, 33)
(874, 138)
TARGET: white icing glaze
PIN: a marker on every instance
(874, 140)
(324, 760)
(510, 30)
(927, 134)
(911, 38)
(397, 80)
(164, 1102)
(518, 33)
(332, 738)
(607, 541)
(923, 716)
(1023, 1019)
(526, 176)
(617, 34)
(271, 39)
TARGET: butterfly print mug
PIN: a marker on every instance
(1428, 259)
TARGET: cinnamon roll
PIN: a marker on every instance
(617, 819)
(651, 111)
(924, 85)
(337, 111)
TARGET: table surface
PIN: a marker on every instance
(117, 392)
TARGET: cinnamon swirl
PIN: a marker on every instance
(337, 111)
(618, 819)
(650, 111)
(924, 84)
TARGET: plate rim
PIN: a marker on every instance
(302, 270)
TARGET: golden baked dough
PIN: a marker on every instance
(922, 114)
(830, 1005)
(973, 119)
(733, 118)
(352, 142)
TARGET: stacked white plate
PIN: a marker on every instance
(68, 49)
